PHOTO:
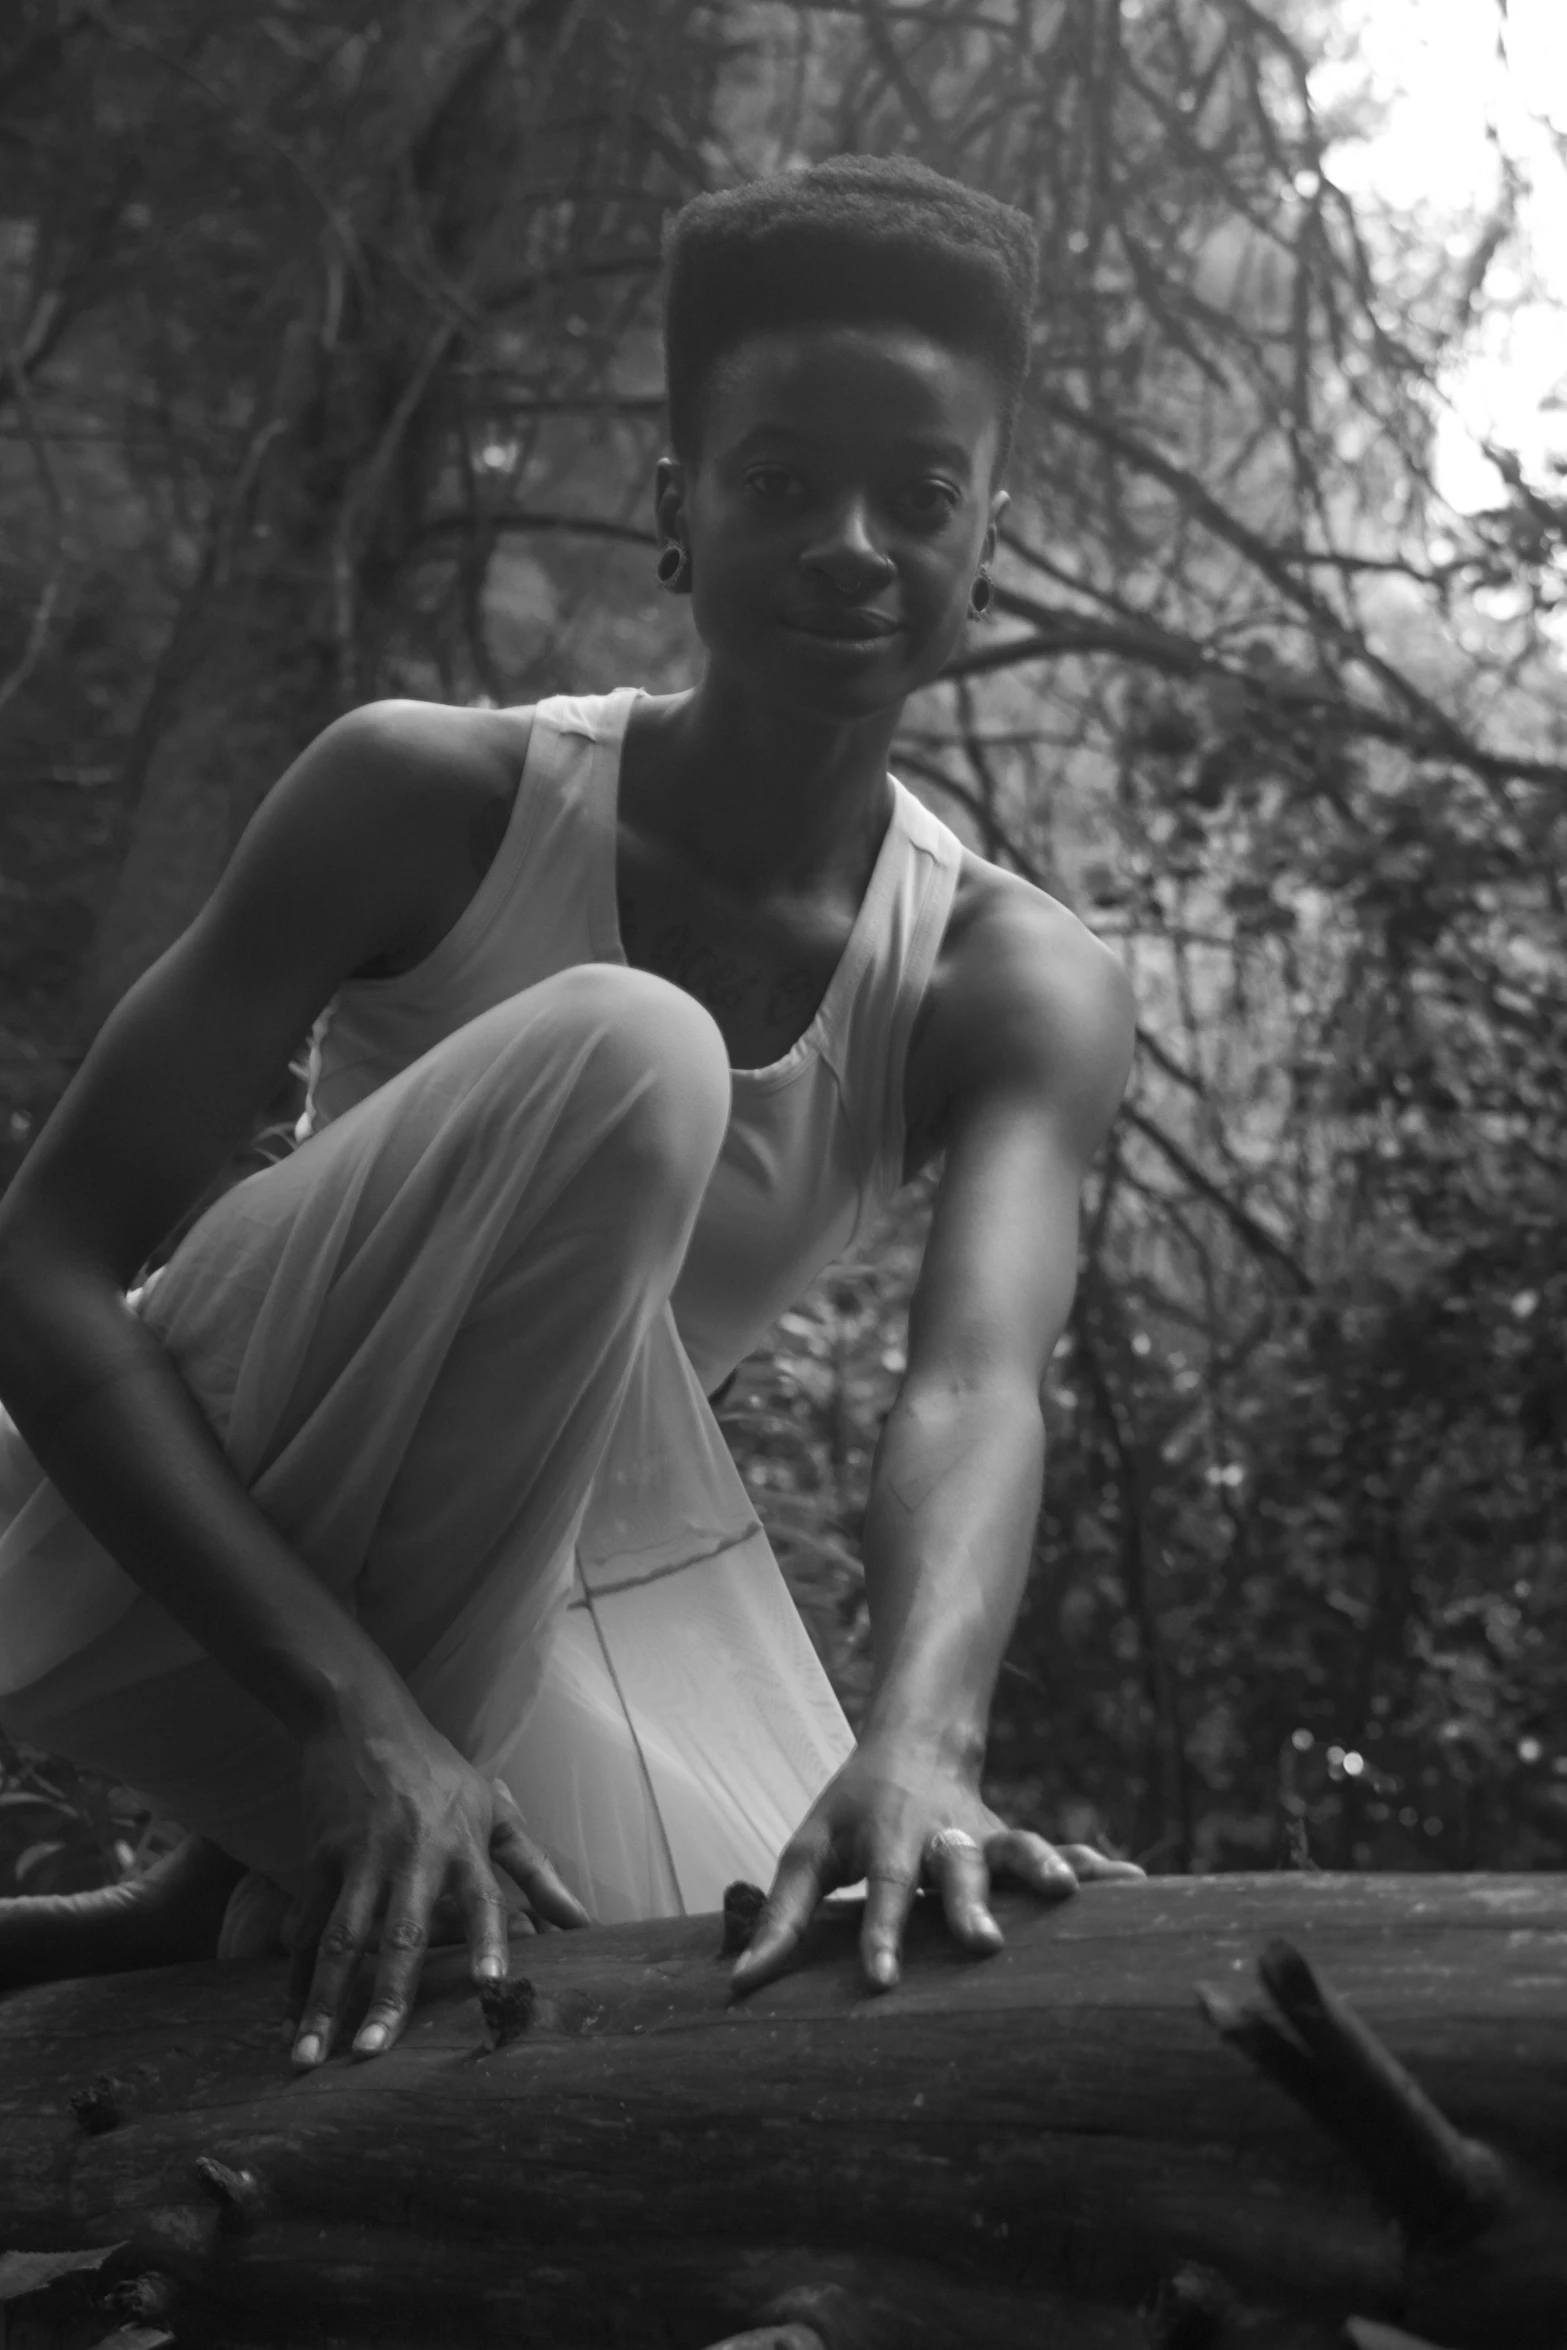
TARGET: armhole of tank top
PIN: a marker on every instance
(945, 853)
(500, 874)
(491, 892)
(464, 934)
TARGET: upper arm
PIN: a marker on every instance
(1039, 1038)
(328, 875)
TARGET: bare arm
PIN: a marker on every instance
(333, 873)
(1039, 1040)
(322, 883)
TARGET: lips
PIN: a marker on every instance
(851, 628)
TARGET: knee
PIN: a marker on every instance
(660, 1049)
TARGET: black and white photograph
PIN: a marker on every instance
(783, 1175)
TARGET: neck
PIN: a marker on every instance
(763, 793)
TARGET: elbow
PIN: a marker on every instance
(19, 1276)
(16, 1254)
(989, 1396)
(27, 1236)
(36, 1282)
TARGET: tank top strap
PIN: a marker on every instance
(871, 1043)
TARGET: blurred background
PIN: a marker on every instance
(329, 369)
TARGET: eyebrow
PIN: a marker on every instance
(944, 452)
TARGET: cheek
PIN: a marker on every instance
(726, 544)
(947, 576)
(727, 580)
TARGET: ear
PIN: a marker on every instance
(998, 506)
(669, 500)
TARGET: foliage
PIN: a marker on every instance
(63, 1830)
(328, 336)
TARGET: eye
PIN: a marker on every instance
(932, 499)
(775, 485)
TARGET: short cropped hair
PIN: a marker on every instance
(854, 239)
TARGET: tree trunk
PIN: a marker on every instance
(1008, 2152)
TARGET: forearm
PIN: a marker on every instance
(948, 1534)
(108, 1418)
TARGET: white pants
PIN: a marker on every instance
(437, 1348)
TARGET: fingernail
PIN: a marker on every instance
(489, 1970)
(986, 1927)
(371, 2040)
(307, 2050)
(884, 1970)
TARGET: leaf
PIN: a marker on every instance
(35, 1856)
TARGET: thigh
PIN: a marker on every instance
(385, 1227)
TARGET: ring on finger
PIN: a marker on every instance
(947, 1843)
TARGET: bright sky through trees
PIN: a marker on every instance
(1472, 94)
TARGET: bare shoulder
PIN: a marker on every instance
(1018, 955)
(416, 754)
(394, 814)
(1024, 999)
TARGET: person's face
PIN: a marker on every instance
(837, 511)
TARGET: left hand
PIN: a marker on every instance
(895, 1815)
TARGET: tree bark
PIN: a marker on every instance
(1017, 2151)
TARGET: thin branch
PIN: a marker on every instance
(1060, 632)
(44, 609)
(262, 132)
(1256, 1236)
(518, 518)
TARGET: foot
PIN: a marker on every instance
(174, 1912)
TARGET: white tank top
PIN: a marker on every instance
(815, 1143)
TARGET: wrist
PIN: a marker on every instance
(343, 1697)
(952, 1741)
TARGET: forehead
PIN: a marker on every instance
(845, 385)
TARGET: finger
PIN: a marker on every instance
(338, 1953)
(405, 1937)
(1019, 1853)
(513, 1849)
(484, 1924)
(962, 1877)
(889, 1896)
(1087, 1864)
(313, 1910)
(805, 1872)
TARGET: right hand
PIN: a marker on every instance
(396, 1818)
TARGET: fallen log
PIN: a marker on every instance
(1052, 2147)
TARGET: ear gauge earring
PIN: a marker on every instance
(979, 596)
(673, 569)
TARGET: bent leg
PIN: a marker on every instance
(176, 1911)
(412, 1339)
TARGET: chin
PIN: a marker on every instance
(826, 688)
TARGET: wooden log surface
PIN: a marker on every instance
(1012, 2151)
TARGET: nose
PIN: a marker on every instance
(845, 552)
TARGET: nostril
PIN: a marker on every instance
(854, 583)
(850, 558)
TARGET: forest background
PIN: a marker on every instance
(329, 370)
